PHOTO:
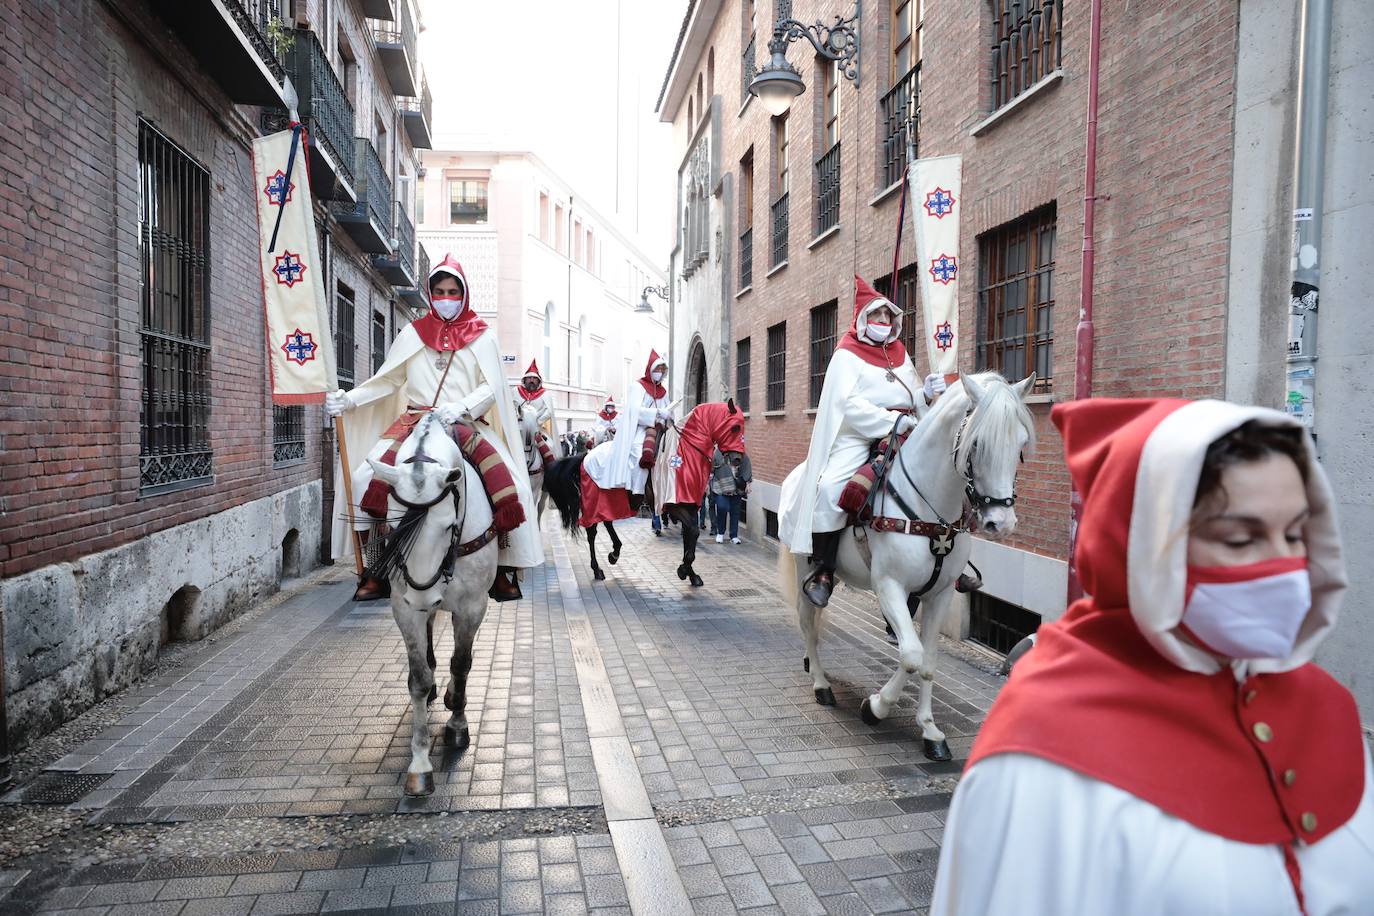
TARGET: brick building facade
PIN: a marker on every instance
(150, 490)
(1164, 168)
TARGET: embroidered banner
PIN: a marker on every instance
(300, 350)
(936, 204)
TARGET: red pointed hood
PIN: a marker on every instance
(538, 392)
(866, 301)
(465, 327)
(608, 412)
(1117, 668)
(655, 389)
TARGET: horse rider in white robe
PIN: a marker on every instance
(604, 427)
(870, 388)
(646, 405)
(449, 362)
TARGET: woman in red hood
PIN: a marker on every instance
(1168, 746)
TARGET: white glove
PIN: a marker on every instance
(335, 403)
(450, 413)
(665, 414)
(934, 386)
(906, 424)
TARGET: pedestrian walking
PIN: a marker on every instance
(1168, 746)
(730, 480)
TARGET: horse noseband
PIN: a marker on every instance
(979, 501)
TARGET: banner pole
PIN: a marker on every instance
(346, 470)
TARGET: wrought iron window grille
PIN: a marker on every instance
(1026, 45)
(828, 190)
(746, 258)
(776, 394)
(742, 369)
(288, 434)
(345, 336)
(1016, 298)
(779, 230)
(900, 110)
(174, 290)
(824, 319)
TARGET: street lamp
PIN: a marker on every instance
(777, 84)
(644, 308)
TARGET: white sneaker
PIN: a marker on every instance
(734, 540)
(720, 539)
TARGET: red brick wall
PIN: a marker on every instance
(1164, 163)
(75, 80)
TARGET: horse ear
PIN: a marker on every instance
(975, 391)
(387, 473)
(730, 405)
(1025, 385)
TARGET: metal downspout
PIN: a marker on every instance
(1084, 338)
(1313, 80)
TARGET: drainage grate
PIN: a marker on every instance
(61, 788)
(740, 593)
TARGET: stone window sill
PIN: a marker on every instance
(775, 270)
(747, 289)
(1001, 114)
(886, 192)
(769, 414)
(833, 230)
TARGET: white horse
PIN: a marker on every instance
(962, 456)
(440, 554)
(534, 460)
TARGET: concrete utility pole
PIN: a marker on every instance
(1313, 77)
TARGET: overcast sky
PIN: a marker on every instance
(542, 75)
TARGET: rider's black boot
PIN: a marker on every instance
(507, 585)
(825, 550)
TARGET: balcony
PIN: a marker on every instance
(395, 43)
(327, 115)
(368, 221)
(414, 296)
(379, 9)
(418, 115)
(398, 267)
(229, 39)
(899, 108)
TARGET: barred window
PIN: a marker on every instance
(777, 366)
(345, 335)
(746, 237)
(823, 322)
(907, 20)
(174, 289)
(742, 370)
(288, 434)
(1016, 298)
(906, 299)
(781, 184)
(1025, 45)
(378, 340)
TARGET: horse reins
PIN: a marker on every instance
(455, 550)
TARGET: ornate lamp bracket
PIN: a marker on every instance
(838, 42)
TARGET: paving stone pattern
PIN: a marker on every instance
(767, 802)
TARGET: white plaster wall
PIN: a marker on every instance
(1260, 263)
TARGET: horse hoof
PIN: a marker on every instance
(697, 581)
(448, 697)
(826, 697)
(613, 557)
(598, 575)
(433, 694)
(866, 712)
(457, 737)
(937, 751)
(418, 785)
(806, 664)
(682, 572)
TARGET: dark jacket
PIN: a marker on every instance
(727, 480)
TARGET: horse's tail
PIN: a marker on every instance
(563, 484)
(787, 575)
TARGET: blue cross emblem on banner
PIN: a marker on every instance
(939, 203)
(944, 336)
(289, 269)
(277, 190)
(944, 269)
(300, 347)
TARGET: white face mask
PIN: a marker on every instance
(1251, 611)
(448, 308)
(878, 333)
(656, 375)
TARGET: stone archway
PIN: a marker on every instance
(698, 386)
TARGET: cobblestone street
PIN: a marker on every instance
(638, 746)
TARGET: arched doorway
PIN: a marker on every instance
(698, 390)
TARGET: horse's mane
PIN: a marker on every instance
(993, 427)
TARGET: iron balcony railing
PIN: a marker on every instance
(400, 31)
(828, 190)
(405, 240)
(377, 187)
(779, 230)
(901, 109)
(324, 106)
(423, 107)
(746, 258)
(748, 68)
(255, 18)
(1026, 46)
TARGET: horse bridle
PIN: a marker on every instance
(533, 465)
(455, 549)
(976, 499)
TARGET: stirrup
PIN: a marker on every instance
(370, 588)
